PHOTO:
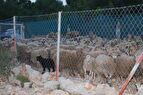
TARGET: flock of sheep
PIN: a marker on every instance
(88, 55)
(101, 57)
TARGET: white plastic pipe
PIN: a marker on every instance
(58, 45)
(14, 29)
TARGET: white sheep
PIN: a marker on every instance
(137, 55)
(104, 65)
(88, 65)
(125, 64)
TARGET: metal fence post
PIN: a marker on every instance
(131, 74)
(14, 29)
(58, 45)
(23, 35)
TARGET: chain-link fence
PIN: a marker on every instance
(7, 55)
(109, 42)
(98, 45)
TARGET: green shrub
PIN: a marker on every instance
(22, 79)
(6, 57)
(30, 86)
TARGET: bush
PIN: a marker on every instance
(22, 79)
(6, 57)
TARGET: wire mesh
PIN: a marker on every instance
(98, 45)
(109, 40)
(7, 55)
(40, 43)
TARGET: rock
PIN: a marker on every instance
(64, 83)
(58, 92)
(8, 87)
(14, 81)
(140, 92)
(23, 70)
(45, 76)
(75, 88)
(33, 76)
(2, 84)
(52, 76)
(40, 91)
(51, 85)
(27, 84)
(102, 86)
(14, 93)
(104, 89)
(16, 71)
(37, 84)
(89, 86)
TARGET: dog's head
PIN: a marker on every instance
(38, 58)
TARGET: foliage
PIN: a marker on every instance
(30, 86)
(5, 61)
(23, 79)
(9, 8)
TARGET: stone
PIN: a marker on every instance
(27, 84)
(51, 85)
(33, 75)
(14, 93)
(14, 81)
(37, 84)
(45, 76)
(8, 87)
(102, 86)
(39, 91)
(89, 86)
(16, 71)
(64, 83)
(52, 76)
(105, 89)
(23, 70)
(139, 93)
(74, 88)
(58, 92)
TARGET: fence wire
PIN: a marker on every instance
(110, 41)
(98, 45)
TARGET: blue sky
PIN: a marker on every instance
(64, 1)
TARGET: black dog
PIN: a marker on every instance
(46, 63)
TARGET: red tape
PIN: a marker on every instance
(131, 74)
(57, 72)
